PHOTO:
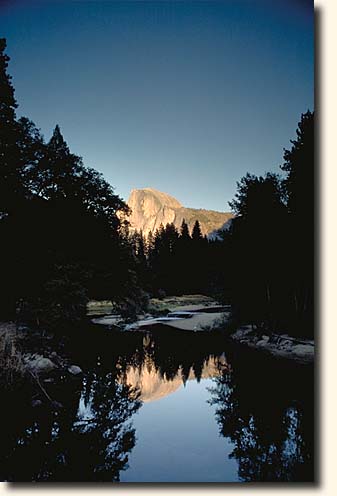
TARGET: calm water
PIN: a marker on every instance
(184, 408)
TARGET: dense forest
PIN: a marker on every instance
(65, 237)
(263, 264)
(63, 229)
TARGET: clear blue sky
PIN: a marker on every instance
(185, 97)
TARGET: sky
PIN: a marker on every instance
(185, 97)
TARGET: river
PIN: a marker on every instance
(168, 407)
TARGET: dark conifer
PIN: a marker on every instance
(11, 187)
(196, 232)
(184, 231)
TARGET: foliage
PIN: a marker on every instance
(169, 262)
(299, 165)
(70, 446)
(65, 228)
(67, 237)
(271, 243)
(257, 195)
(271, 434)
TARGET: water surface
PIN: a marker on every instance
(167, 407)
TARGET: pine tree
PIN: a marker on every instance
(141, 248)
(300, 180)
(299, 164)
(170, 238)
(63, 226)
(11, 187)
(59, 170)
(196, 232)
(149, 244)
(184, 231)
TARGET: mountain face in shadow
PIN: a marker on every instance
(151, 207)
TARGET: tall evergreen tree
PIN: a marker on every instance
(300, 180)
(10, 174)
(299, 165)
(149, 244)
(271, 242)
(19, 148)
(196, 232)
(184, 231)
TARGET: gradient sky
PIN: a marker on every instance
(185, 97)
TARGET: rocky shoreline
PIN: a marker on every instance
(34, 362)
(30, 364)
(278, 345)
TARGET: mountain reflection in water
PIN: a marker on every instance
(155, 381)
(152, 407)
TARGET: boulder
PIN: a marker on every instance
(39, 364)
(75, 370)
(56, 405)
(303, 350)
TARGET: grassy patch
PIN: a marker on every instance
(99, 307)
(162, 306)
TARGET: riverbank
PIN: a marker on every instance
(32, 365)
(176, 382)
(199, 313)
(35, 360)
(277, 345)
(186, 312)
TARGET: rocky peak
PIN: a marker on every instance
(151, 207)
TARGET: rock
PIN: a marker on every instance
(151, 208)
(39, 364)
(285, 344)
(49, 380)
(303, 349)
(56, 405)
(75, 370)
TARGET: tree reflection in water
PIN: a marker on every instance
(261, 409)
(102, 433)
(90, 441)
(264, 408)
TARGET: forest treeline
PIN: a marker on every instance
(175, 261)
(65, 237)
(263, 263)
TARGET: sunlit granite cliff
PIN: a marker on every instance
(151, 207)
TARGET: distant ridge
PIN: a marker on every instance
(151, 207)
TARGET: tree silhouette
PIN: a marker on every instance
(184, 231)
(299, 165)
(75, 223)
(255, 196)
(272, 434)
(10, 164)
(271, 245)
(196, 231)
(71, 446)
